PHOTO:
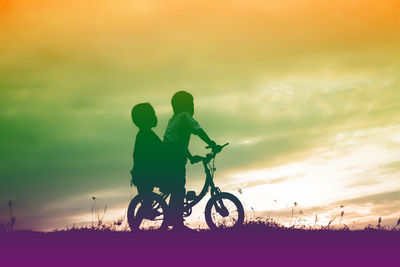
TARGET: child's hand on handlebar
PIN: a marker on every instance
(196, 158)
(216, 148)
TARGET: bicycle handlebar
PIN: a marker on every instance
(212, 155)
(207, 147)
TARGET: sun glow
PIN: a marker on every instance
(328, 176)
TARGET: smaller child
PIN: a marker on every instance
(148, 151)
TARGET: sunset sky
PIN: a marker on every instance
(306, 92)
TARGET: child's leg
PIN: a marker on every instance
(145, 192)
(177, 200)
(145, 189)
(176, 205)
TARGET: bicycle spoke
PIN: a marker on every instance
(144, 223)
(232, 216)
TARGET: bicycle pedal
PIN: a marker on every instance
(190, 195)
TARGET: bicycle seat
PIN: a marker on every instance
(190, 195)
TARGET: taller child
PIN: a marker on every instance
(176, 139)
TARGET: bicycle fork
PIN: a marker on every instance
(219, 204)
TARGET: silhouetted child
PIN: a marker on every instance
(148, 151)
(176, 139)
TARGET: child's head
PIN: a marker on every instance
(182, 102)
(144, 116)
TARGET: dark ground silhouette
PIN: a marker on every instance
(252, 245)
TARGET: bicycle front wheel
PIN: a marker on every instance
(224, 210)
(149, 214)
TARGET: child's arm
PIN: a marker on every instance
(193, 159)
(197, 130)
(203, 136)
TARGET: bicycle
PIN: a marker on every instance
(223, 209)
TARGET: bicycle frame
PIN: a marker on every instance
(209, 169)
(216, 201)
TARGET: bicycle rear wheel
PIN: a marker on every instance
(224, 210)
(150, 216)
